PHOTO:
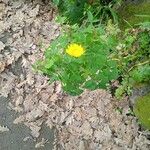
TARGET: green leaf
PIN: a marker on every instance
(56, 2)
(90, 85)
(113, 74)
(90, 17)
(73, 72)
(49, 63)
(141, 74)
(103, 82)
(72, 89)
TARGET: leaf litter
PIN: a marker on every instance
(86, 122)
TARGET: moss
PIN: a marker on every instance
(141, 84)
(142, 110)
(133, 14)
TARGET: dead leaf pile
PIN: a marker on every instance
(89, 121)
(26, 29)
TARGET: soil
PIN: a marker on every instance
(18, 137)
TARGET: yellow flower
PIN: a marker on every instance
(75, 50)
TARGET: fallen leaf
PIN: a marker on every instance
(20, 119)
(41, 143)
(4, 129)
(2, 66)
(2, 46)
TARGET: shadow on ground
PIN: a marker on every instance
(14, 138)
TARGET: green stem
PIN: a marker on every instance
(140, 64)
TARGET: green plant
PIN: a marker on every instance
(133, 60)
(85, 55)
(76, 11)
(80, 59)
(142, 110)
(130, 15)
(144, 25)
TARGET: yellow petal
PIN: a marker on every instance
(75, 50)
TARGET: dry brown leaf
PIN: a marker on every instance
(41, 143)
(35, 130)
(43, 106)
(28, 103)
(35, 113)
(20, 119)
(103, 134)
(4, 129)
(2, 46)
(19, 100)
(34, 12)
(2, 66)
(15, 108)
(26, 138)
(30, 78)
(7, 87)
(86, 130)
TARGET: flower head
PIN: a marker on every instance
(75, 50)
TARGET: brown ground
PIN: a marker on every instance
(90, 121)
